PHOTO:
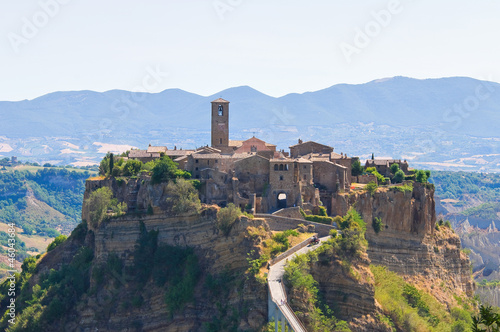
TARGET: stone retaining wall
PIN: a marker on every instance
(290, 251)
(277, 223)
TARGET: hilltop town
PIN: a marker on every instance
(253, 173)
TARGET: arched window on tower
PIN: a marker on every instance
(220, 110)
(220, 140)
(275, 167)
(281, 167)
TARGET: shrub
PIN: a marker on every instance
(322, 211)
(333, 233)
(414, 298)
(377, 224)
(319, 219)
(182, 197)
(371, 187)
(57, 241)
(394, 168)
(132, 167)
(380, 178)
(165, 169)
(399, 176)
(356, 168)
(226, 218)
(421, 176)
(97, 205)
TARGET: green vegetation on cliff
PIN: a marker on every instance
(412, 309)
(52, 298)
(348, 246)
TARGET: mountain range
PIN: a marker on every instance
(446, 123)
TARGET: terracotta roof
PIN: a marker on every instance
(157, 149)
(207, 149)
(329, 162)
(172, 153)
(143, 154)
(220, 100)
(311, 142)
(250, 156)
(211, 156)
(284, 160)
(180, 158)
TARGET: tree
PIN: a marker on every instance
(421, 176)
(104, 165)
(394, 168)
(356, 169)
(57, 241)
(487, 321)
(183, 197)
(97, 205)
(373, 156)
(226, 218)
(132, 167)
(399, 176)
(111, 163)
(165, 169)
(371, 187)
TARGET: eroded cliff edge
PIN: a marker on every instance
(225, 296)
(408, 242)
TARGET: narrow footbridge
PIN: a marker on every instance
(278, 308)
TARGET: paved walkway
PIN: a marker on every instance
(277, 290)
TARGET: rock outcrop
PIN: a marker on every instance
(108, 307)
(408, 243)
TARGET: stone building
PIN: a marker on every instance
(253, 174)
(383, 166)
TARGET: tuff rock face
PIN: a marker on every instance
(107, 309)
(408, 243)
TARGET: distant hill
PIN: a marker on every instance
(42, 127)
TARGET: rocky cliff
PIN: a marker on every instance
(225, 297)
(408, 242)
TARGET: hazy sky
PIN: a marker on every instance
(275, 46)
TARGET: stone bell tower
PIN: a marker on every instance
(220, 124)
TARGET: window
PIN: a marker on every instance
(286, 167)
(208, 162)
(216, 161)
(281, 167)
(220, 140)
(281, 177)
(196, 161)
(305, 166)
(196, 169)
(220, 110)
(275, 167)
(305, 177)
